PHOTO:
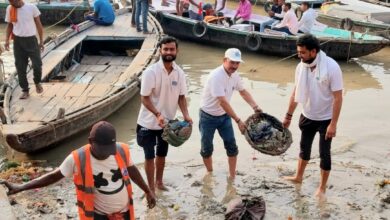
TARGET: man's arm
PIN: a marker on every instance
(337, 103)
(229, 110)
(184, 109)
(194, 3)
(137, 179)
(290, 111)
(249, 99)
(42, 181)
(149, 105)
(8, 32)
(40, 31)
(178, 11)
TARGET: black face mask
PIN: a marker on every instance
(168, 58)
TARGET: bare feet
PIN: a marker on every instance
(293, 179)
(24, 95)
(39, 88)
(320, 194)
(161, 187)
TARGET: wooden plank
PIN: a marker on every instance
(97, 68)
(127, 61)
(90, 60)
(51, 60)
(117, 60)
(33, 108)
(76, 90)
(20, 128)
(80, 102)
(105, 60)
(100, 90)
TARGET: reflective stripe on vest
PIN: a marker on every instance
(84, 182)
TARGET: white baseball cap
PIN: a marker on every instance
(233, 54)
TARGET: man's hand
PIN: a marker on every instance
(151, 199)
(330, 131)
(6, 45)
(241, 126)
(188, 119)
(257, 109)
(12, 188)
(286, 123)
(42, 47)
(271, 13)
(160, 120)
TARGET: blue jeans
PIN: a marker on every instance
(97, 20)
(195, 16)
(142, 7)
(207, 126)
(283, 29)
(270, 22)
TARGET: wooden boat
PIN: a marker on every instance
(57, 12)
(337, 43)
(87, 75)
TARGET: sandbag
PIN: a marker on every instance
(177, 132)
(266, 134)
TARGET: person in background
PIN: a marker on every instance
(210, 16)
(216, 113)
(181, 6)
(103, 13)
(220, 6)
(101, 172)
(276, 9)
(308, 18)
(23, 23)
(289, 24)
(319, 88)
(163, 91)
(244, 12)
(195, 10)
(142, 7)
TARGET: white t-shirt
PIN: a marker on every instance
(219, 84)
(307, 21)
(25, 25)
(319, 105)
(164, 91)
(110, 191)
(193, 7)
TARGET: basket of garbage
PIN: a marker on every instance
(177, 132)
(266, 134)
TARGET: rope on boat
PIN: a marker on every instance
(66, 17)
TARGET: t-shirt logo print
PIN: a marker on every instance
(100, 181)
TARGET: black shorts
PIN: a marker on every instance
(148, 139)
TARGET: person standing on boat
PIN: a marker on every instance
(220, 7)
(101, 172)
(244, 12)
(163, 90)
(142, 8)
(289, 24)
(318, 87)
(308, 19)
(23, 23)
(276, 9)
(216, 113)
(103, 13)
(195, 10)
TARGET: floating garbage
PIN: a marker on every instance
(266, 134)
(253, 209)
(177, 132)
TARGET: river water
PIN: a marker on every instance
(361, 150)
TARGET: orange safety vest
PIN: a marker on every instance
(83, 179)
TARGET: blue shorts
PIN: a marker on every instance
(207, 126)
(148, 139)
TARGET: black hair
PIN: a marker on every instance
(288, 4)
(305, 3)
(167, 40)
(309, 41)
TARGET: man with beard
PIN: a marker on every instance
(163, 90)
(23, 23)
(318, 87)
(216, 112)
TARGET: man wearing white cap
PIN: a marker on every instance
(216, 112)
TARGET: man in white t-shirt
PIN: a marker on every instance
(110, 188)
(308, 18)
(22, 25)
(318, 87)
(216, 112)
(163, 90)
